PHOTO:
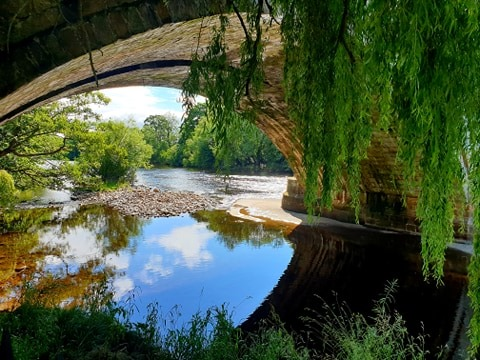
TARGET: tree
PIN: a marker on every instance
(7, 188)
(28, 142)
(353, 67)
(244, 146)
(188, 126)
(110, 153)
(198, 150)
(161, 133)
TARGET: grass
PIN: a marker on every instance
(352, 336)
(101, 329)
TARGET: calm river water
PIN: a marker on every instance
(189, 262)
(193, 262)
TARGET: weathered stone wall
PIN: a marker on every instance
(37, 36)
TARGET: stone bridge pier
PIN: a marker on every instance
(50, 49)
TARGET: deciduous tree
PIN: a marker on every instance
(161, 133)
(111, 153)
(49, 132)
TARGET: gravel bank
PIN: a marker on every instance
(148, 203)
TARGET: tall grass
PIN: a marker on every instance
(352, 336)
(102, 329)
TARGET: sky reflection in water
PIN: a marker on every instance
(175, 261)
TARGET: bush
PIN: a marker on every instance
(99, 331)
(7, 188)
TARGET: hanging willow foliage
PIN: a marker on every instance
(223, 84)
(414, 63)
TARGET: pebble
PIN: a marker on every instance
(147, 203)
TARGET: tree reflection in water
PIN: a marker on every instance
(36, 261)
(59, 256)
(234, 231)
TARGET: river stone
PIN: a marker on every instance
(147, 203)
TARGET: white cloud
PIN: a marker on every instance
(72, 250)
(187, 247)
(188, 244)
(154, 269)
(122, 286)
(138, 102)
(118, 261)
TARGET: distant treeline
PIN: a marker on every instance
(193, 144)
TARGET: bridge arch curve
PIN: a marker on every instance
(51, 49)
(155, 57)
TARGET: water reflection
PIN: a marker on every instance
(186, 245)
(178, 260)
(234, 231)
(210, 258)
(353, 265)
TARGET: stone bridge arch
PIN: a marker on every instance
(48, 51)
(55, 48)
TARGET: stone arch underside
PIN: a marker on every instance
(155, 57)
(49, 52)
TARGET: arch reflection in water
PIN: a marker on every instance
(336, 263)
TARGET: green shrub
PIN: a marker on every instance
(7, 189)
(105, 332)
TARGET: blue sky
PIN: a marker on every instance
(138, 102)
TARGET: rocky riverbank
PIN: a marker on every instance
(147, 203)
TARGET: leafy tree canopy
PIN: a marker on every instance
(28, 142)
(110, 153)
(243, 147)
(161, 133)
(354, 67)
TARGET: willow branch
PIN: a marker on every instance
(343, 29)
(87, 41)
(270, 11)
(253, 61)
(242, 22)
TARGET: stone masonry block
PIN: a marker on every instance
(118, 24)
(71, 37)
(149, 16)
(103, 32)
(135, 22)
(57, 52)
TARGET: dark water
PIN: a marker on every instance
(209, 258)
(336, 264)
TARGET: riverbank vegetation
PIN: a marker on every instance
(66, 142)
(347, 335)
(102, 329)
(193, 144)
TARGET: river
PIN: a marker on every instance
(190, 263)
